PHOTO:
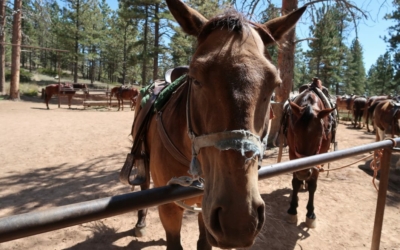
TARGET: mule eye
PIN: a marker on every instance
(195, 82)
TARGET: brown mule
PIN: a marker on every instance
(308, 126)
(60, 90)
(218, 119)
(387, 119)
(124, 93)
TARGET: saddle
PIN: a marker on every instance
(153, 98)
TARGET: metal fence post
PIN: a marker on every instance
(380, 204)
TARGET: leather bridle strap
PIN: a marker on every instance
(233, 139)
(168, 144)
(239, 140)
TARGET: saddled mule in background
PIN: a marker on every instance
(58, 89)
(387, 119)
(342, 105)
(308, 126)
(113, 92)
(359, 105)
(124, 93)
(218, 119)
(81, 86)
(370, 106)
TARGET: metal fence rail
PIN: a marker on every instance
(27, 224)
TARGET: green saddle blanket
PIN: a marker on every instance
(163, 96)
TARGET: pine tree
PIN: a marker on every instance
(355, 70)
(270, 13)
(182, 46)
(77, 19)
(327, 52)
(381, 76)
(302, 73)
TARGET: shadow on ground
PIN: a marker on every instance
(104, 237)
(279, 234)
(394, 179)
(62, 184)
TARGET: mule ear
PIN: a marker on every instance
(281, 25)
(325, 112)
(189, 19)
(296, 109)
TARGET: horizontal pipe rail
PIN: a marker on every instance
(304, 163)
(27, 224)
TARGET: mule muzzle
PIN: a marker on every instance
(229, 228)
(304, 175)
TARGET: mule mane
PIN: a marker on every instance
(307, 115)
(307, 101)
(231, 19)
(308, 98)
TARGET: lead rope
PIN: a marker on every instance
(348, 165)
(376, 165)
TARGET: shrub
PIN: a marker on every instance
(31, 92)
(50, 72)
(24, 76)
(29, 89)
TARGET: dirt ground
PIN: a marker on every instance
(61, 156)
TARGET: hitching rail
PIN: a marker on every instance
(27, 224)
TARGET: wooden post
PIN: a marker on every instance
(16, 51)
(381, 202)
(2, 46)
(59, 80)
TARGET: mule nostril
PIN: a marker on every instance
(215, 220)
(261, 216)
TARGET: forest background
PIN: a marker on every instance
(136, 41)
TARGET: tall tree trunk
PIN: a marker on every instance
(144, 67)
(341, 52)
(156, 42)
(30, 61)
(100, 69)
(125, 55)
(92, 67)
(76, 42)
(16, 51)
(286, 57)
(2, 46)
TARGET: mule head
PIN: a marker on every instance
(230, 86)
(308, 128)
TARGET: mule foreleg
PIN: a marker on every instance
(47, 99)
(202, 243)
(132, 104)
(366, 120)
(310, 216)
(69, 101)
(122, 105)
(119, 104)
(171, 218)
(380, 134)
(294, 203)
(360, 121)
(141, 223)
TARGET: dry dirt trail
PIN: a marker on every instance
(57, 157)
